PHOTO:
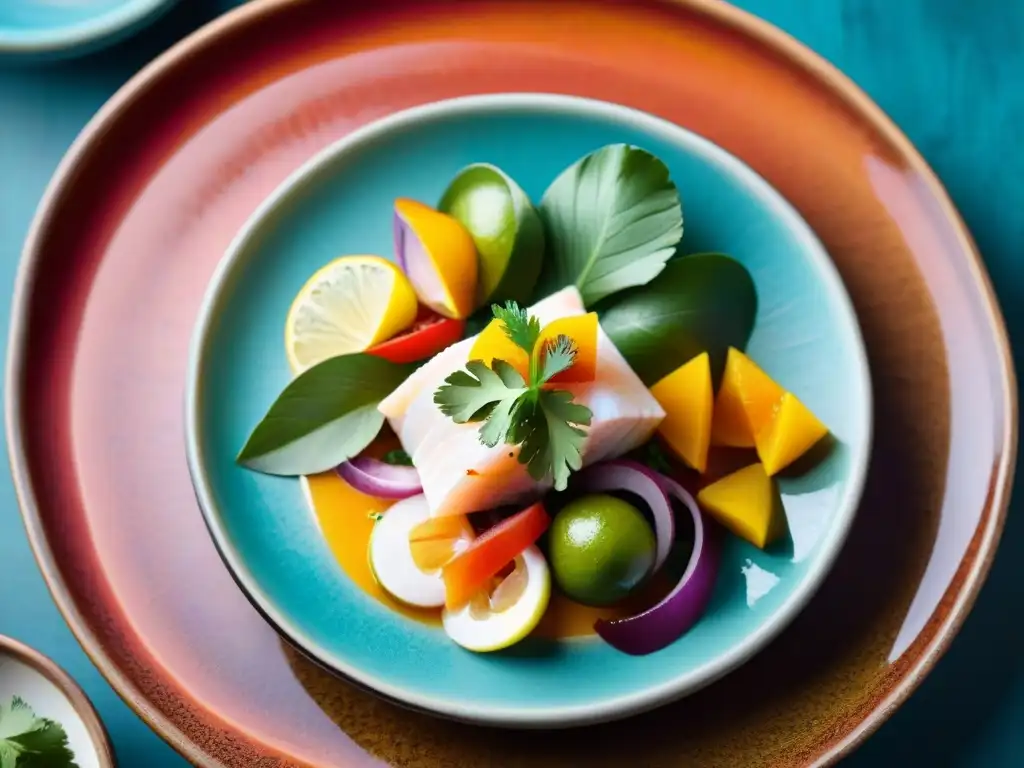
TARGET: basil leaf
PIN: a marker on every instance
(700, 302)
(325, 416)
(612, 220)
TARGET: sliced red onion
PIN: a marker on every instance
(401, 233)
(413, 259)
(634, 477)
(378, 478)
(670, 619)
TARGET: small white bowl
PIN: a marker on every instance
(52, 694)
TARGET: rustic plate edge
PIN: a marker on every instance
(743, 23)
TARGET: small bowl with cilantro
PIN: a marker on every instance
(46, 720)
(528, 410)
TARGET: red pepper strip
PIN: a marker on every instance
(472, 570)
(428, 335)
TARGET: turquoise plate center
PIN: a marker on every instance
(806, 336)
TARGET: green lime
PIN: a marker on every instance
(601, 548)
(505, 228)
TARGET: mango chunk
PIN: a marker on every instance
(492, 342)
(437, 540)
(745, 402)
(748, 504)
(583, 330)
(687, 397)
(792, 431)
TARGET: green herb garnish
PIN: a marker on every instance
(545, 423)
(398, 457)
(325, 416)
(611, 221)
(27, 741)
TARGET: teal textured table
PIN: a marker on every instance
(947, 71)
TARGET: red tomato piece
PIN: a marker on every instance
(469, 572)
(428, 335)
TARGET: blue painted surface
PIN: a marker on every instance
(948, 72)
(345, 206)
(57, 28)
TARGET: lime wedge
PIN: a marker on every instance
(505, 228)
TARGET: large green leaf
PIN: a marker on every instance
(327, 415)
(700, 302)
(611, 221)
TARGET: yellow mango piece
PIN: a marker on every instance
(583, 330)
(441, 260)
(687, 396)
(748, 504)
(435, 541)
(745, 404)
(492, 342)
(791, 432)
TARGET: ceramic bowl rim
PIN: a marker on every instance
(976, 564)
(56, 39)
(66, 684)
(725, 164)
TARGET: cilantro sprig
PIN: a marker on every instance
(31, 741)
(545, 423)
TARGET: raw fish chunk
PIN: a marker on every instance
(460, 475)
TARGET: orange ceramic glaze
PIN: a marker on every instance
(154, 190)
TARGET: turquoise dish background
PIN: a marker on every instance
(50, 27)
(806, 336)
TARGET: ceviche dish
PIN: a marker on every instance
(537, 419)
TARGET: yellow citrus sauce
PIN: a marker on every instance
(347, 517)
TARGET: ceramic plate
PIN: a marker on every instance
(341, 202)
(148, 201)
(52, 28)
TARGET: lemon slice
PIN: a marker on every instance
(347, 306)
(509, 613)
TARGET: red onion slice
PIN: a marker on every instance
(670, 619)
(378, 478)
(634, 477)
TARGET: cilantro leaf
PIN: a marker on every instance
(501, 421)
(469, 396)
(398, 457)
(559, 355)
(521, 328)
(546, 424)
(27, 741)
(552, 438)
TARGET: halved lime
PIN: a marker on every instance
(505, 228)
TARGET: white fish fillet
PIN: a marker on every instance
(460, 475)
